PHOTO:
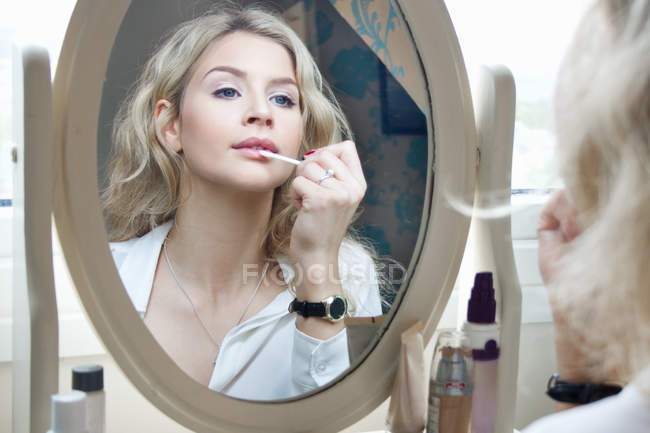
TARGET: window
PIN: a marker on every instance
(44, 23)
(530, 38)
(30, 21)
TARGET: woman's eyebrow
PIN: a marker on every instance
(286, 80)
(242, 74)
(237, 72)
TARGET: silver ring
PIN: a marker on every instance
(329, 173)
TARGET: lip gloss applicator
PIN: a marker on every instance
(280, 157)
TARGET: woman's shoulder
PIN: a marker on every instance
(628, 411)
(122, 249)
(126, 245)
(136, 260)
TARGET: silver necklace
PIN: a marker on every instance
(196, 311)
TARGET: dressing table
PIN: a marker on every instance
(467, 148)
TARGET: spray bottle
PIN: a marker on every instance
(482, 334)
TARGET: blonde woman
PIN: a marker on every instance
(594, 237)
(215, 242)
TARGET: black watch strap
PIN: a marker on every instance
(578, 393)
(308, 309)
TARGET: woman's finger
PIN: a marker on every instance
(314, 171)
(328, 160)
(307, 195)
(346, 151)
(302, 188)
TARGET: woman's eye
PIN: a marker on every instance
(227, 92)
(283, 100)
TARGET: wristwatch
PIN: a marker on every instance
(578, 393)
(332, 308)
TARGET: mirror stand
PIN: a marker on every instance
(489, 244)
(35, 323)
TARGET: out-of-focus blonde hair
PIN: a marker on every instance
(603, 130)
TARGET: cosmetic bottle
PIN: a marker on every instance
(450, 387)
(69, 413)
(483, 339)
(90, 380)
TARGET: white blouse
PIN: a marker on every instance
(266, 357)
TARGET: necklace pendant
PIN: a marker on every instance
(196, 311)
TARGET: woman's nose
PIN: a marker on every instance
(261, 119)
(260, 114)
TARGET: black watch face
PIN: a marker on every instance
(337, 308)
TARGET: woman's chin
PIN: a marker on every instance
(258, 181)
(247, 179)
(257, 185)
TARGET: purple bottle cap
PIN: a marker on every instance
(482, 306)
(488, 353)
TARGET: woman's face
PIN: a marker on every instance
(242, 95)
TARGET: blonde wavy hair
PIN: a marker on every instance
(603, 129)
(145, 177)
(144, 182)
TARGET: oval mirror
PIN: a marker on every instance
(397, 71)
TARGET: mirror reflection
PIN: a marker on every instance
(258, 275)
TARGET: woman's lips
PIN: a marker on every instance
(251, 147)
(255, 142)
(252, 153)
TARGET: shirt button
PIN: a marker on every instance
(321, 367)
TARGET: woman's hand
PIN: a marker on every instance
(325, 209)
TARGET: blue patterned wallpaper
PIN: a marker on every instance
(395, 164)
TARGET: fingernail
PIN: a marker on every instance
(310, 152)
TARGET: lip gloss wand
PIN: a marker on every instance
(280, 157)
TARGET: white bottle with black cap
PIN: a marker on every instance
(90, 379)
(69, 413)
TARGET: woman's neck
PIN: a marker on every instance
(217, 236)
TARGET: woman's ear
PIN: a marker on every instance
(167, 126)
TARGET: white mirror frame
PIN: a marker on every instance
(76, 101)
